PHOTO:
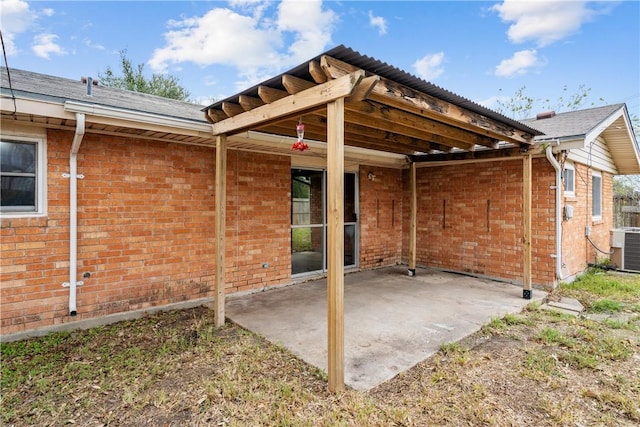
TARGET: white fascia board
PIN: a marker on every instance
(35, 107)
(136, 117)
(602, 126)
(570, 143)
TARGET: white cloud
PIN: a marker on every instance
(520, 63)
(45, 45)
(246, 40)
(379, 22)
(310, 24)
(544, 22)
(429, 66)
(16, 18)
(92, 45)
(48, 12)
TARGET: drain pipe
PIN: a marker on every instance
(73, 213)
(558, 168)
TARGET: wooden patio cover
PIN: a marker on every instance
(341, 103)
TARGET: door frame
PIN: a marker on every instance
(356, 223)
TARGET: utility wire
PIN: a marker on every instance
(6, 63)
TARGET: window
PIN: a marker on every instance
(596, 195)
(21, 176)
(568, 178)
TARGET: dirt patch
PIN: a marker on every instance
(170, 369)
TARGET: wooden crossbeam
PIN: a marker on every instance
(215, 116)
(249, 102)
(231, 109)
(469, 155)
(295, 85)
(300, 102)
(377, 115)
(404, 98)
(269, 94)
(317, 72)
(375, 138)
(364, 89)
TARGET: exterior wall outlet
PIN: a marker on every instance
(587, 231)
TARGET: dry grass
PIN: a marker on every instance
(170, 369)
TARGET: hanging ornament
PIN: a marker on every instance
(300, 144)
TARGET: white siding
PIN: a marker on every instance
(596, 156)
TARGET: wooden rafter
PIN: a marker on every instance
(293, 104)
(404, 98)
(269, 94)
(377, 115)
(249, 102)
(317, 73)
(470, 155)
(232, 109)
(295, 85)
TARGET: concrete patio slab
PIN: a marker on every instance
(392, 321)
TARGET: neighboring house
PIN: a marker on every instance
(429, 177)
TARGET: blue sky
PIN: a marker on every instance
(480, 50)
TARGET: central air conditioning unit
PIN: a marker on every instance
(625, 244)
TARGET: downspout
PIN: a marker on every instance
(73, 213)
(558, 168)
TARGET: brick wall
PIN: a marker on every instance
(146, 219)
(258, 220)
(470, 219)
(577, 251)
(146, 226)
(380, 217)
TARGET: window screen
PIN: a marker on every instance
(18, 167)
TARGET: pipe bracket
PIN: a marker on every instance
(67, 284)
(68, 175)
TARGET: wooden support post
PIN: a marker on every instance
(335, 245)
(221, 208)
(526, 224)
(413, 212)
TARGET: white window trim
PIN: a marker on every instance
(596, 174)
(572, 191)
(41, 175)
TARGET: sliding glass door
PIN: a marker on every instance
(309, 224)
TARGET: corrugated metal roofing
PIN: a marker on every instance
(58, 89)
(386, 71)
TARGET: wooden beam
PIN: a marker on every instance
(249, 102)
(364, 89)
(295, 85)
(317, 72)
(526, 225)
(335, 245)
(300, 102)
(469, 155)
(269, 94)
(413, 218)
(221, 209)
(373, 114)
(215, 116)
(231, 109)
(402, 97)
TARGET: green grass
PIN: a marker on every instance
(537, 367)
(301, 239)
(623, 287)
